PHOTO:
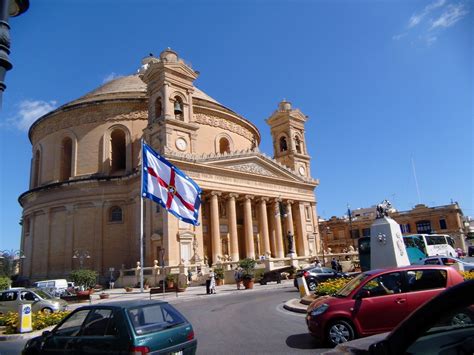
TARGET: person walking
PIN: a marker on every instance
(212, 286)
(238, 277)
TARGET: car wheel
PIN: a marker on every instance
(461, 319)
(47, 310)
(339, 332)
(262, 282)
(312, 284)
(278, 281)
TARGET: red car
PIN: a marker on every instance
(376, 301)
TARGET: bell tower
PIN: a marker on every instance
(289, 143)
(170, 111)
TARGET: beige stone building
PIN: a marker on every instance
(448, 219)
(83, 204)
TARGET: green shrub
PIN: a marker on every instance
(5, 282)
(248, 268)
(84, 277)
(219, 272)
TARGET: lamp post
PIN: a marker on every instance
(8, 8)
(162, 264)
(9, 258)
(81, 254)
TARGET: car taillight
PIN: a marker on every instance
(139, 350)
(306, 273)
(190, 335)
(450, 261)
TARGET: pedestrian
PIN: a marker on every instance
(334, 264)
(238, 277)
(111, 283)
(317, 263)
(190, 276)
(212, 286)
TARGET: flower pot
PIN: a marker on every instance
(104, 296)
(248, 283)
(219, 282)
(170, 284)
(129, 289)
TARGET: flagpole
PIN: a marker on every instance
(141, 222)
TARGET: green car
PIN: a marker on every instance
(124, 327)
(11, 299)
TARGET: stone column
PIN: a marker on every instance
(300, 236)
(215, 231)
(289, 217)
(69, 239)
(271, 228)
(232, 223)
(316, 227)
(280, 252)
(263, 226)
(248, 226)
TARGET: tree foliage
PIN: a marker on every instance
(5, 282)
(84, 277)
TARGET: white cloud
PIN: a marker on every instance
(450, 16)
(28, 112)
(111, 77)
(399, 36)
(417, 18)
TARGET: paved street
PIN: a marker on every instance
(234, 322)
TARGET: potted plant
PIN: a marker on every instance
(103, 295)
(248, 272)
(182, 288)
(129, 288)
(219, 274)
(170, 281)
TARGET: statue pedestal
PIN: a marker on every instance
(294, 261)
(386, 245)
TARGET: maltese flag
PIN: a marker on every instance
(165, 184)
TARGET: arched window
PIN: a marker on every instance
(158, 108)
(178, 108)
(224, 145)
(66, 159)
(283, 145)
(115, 214)
(298, 144)
(36, 169)
(118, 154)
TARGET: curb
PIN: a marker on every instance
(295, 305)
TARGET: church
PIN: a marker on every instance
(82, 208)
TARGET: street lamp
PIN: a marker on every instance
(9, 259)
(81, 254)
(8, 8)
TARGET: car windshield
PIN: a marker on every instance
(154, 318)
(352, 285)
(43, 294)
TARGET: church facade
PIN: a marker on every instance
(82, 208)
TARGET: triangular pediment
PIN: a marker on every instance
(255, 164)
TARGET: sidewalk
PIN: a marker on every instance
(191, 293)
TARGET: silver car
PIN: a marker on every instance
(40, 300)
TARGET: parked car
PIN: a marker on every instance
(54, 287)
(376, 301)
(470, 250)
(274, 275)
(444, 260)
(315, 275)
(40, 300)
(439, 325)
(124, 327)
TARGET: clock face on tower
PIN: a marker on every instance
(302, 170)
(181, 144)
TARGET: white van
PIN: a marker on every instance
(54, 287)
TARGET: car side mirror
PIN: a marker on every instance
(46, 334)
(363, 294)
(36, 299)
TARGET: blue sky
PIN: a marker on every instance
(384, 83)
